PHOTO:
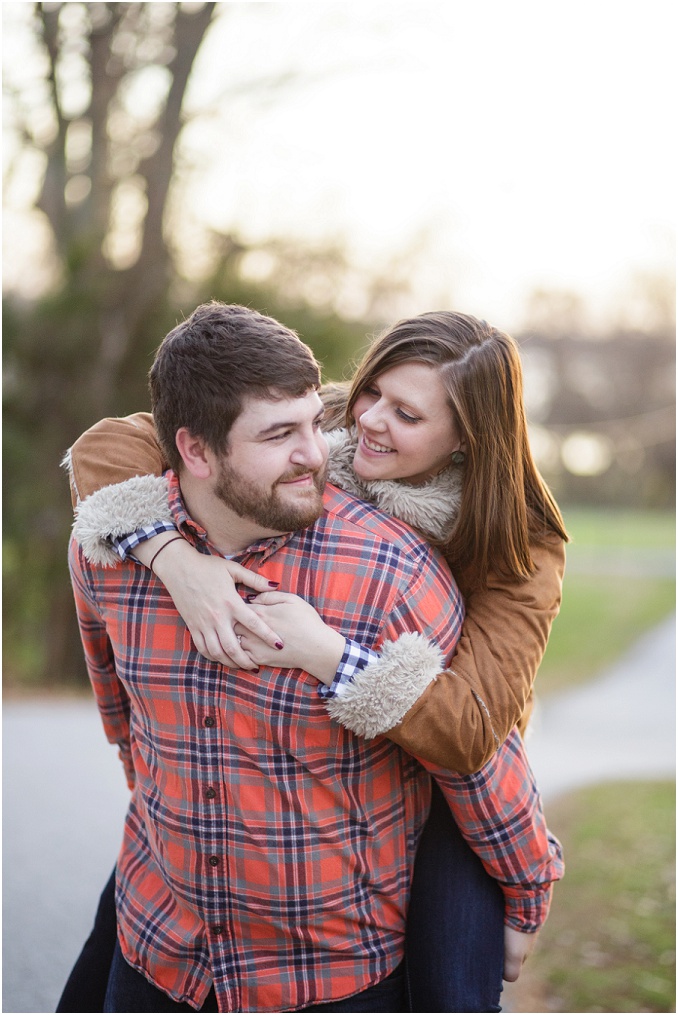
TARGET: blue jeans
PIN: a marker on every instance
(86, 986)
(129, 991)
(455, 923)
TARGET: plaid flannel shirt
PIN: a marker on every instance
(267, 849)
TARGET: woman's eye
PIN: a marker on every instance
(406, 417)
(371, 391)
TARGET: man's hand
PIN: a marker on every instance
(517, 947)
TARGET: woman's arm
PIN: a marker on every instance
(456, 718)
(112, 451)
(468, 711)
(119, 447)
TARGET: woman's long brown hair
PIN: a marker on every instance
(505, 502)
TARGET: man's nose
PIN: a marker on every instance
(312, 451)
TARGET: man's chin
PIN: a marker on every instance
(288, 513)
(285, 507)
(305, 506)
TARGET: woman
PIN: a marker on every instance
(440, 440)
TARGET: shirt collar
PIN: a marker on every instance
(197, 535)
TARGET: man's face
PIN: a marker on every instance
(274, 472)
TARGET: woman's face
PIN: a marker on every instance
(405, 427)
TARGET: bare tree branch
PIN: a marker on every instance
(190, 29)
(106, 75)
(138, 288)
(52, 200)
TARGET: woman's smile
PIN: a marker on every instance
(379, 449)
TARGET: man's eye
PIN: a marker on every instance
(280, 436)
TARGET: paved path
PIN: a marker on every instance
(619, 726)
(65, 799)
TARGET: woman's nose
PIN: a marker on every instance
(372, 418)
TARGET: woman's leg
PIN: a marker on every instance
(455, 923)
(86, 986)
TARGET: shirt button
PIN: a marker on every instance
(209, 721)
(214, 861)
(210, 793)
(217, 929)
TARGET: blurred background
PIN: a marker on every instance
(340, 165)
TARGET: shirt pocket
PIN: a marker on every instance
(294, 719)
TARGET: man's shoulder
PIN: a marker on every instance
(80, 569)
(89, 572)
(348, 512)
(353, 536)
(76, 558)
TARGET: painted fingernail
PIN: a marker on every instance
(274, 585)
(279, 644)
(251, 597)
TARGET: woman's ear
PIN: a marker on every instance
(194, 453)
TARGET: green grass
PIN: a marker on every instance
(594, 527)
(609, 943)
(604, 612)
(600, 618)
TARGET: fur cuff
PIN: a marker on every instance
(115, 511)
(379, 696)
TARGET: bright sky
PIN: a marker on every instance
(532, 144)
(516, 145)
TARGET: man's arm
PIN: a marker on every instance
(498, 811)
(111, 696)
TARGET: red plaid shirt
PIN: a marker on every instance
(267, 849)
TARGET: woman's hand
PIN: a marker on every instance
(310, 644)
(203, 590)
(517, 947)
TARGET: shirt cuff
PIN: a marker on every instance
(124, 546)
(527, 913)
(354, 659)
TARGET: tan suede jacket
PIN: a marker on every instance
(461, 715)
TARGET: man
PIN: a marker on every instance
(268, 851)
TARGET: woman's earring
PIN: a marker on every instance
(458, 457)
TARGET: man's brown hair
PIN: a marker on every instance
(209, 364)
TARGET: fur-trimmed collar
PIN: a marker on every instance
(431, 507)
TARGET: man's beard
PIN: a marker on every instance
(266, 506)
